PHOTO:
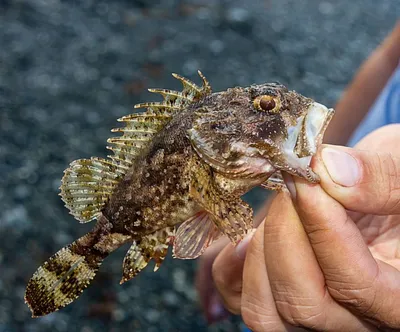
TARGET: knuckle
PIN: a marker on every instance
(321, 235)
(307, 316)
(361, 300)
(391, 191)
(354, 288)
(258, 318)
(300, 311)
(382, 179)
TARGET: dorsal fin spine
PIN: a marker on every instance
(168, 92)
(187, 83)
(88, 183)
(157, 105)
(133, 130)
(206, 85)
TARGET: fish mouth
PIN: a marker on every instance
(304, 138)
(313, 127)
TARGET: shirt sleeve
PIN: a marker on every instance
(384, 111)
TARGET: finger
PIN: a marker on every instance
(228, 267)
(353, 277)
(257, 303)
(263, 211)
(227, 275)
(361, 180)
(227, 272)
(383, 139)
(297, 282)
(209, 298)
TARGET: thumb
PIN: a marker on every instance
(363, 181)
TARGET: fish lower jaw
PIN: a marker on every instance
(303, 140)
(316, 121)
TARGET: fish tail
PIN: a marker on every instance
(65, 275)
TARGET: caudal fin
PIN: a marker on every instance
(61, 279)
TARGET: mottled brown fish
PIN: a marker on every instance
(176, 178)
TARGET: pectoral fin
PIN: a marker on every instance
(195, 235)
(231, 214)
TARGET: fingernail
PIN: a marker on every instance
(342, 167)
(290, 185)
(241, 248)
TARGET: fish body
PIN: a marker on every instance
(176, 178)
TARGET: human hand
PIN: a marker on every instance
(328, 259)
(210, 300)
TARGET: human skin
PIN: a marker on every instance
(365, 87)
(314, 264)
(350, 110)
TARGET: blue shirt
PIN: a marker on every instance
(385, 110)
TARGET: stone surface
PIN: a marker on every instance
(68, 69)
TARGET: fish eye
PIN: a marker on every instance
(267, 103)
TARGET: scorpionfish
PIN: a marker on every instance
(176, 177)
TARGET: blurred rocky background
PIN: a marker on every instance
(69, 69)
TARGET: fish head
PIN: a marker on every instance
(259, 130)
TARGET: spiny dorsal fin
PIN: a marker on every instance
(141, 127)
(88, 183)
(193, 89)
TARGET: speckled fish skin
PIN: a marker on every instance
(176, 178)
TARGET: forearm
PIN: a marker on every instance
(364, 89)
